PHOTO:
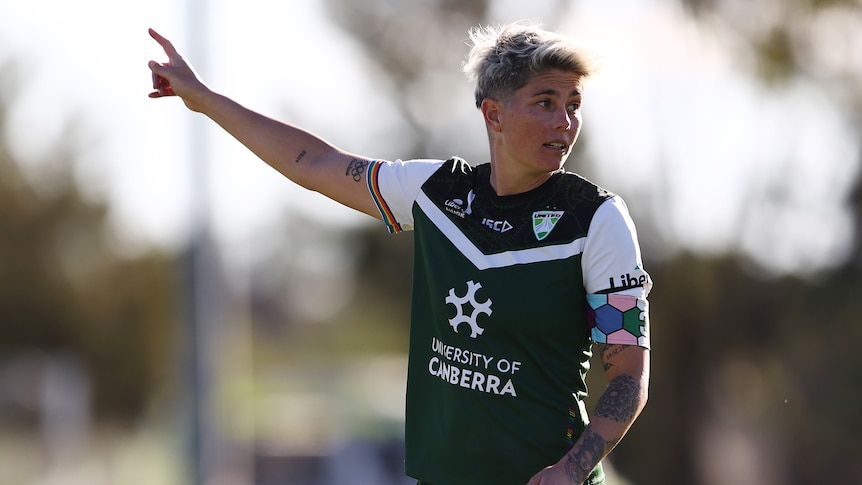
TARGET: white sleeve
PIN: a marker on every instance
(616, 283)
(612, 258)
(395, 186)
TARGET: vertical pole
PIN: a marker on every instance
(199, 275)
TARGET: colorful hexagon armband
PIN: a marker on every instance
(619, 319)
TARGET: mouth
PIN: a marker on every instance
(558, 146)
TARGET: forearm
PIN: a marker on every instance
(278, 144)
(302, 157)
(618, 407)
(299, 155)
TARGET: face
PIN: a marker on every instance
(535, 129)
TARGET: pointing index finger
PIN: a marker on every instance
(166, 45)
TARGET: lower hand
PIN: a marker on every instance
(554, 475)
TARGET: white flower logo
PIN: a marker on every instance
(470, 297)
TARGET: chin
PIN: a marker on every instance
(556, 165)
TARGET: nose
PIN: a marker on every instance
(564, 119)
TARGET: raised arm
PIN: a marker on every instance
(627, 370)
(302, 157)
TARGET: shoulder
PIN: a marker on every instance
(454, 173)
(399, 182)
(422, 167)
(581, 187)
(578, 196)
(457, 167)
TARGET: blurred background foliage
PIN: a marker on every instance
(755, 374)
(67, 287)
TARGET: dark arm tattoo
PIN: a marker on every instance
(592, 449)
(619, 403)
(301, 155)
(356, 169)
(608, 352)
(620, 400)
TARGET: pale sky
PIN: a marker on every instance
(670, 119)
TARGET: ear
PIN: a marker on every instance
(491, 111)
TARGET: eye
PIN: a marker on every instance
(575, 106)
(544, 103)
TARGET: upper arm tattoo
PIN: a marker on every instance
(356, 169)
(301, 155)
(608, 352)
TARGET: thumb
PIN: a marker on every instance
(161, 85)
(157, 68)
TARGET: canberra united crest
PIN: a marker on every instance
(544, 222)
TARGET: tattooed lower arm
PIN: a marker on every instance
(619, 405)
(592, 448)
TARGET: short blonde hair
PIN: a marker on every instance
(502, 59)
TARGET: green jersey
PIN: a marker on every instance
(506, 303)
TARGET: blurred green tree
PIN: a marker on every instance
(67, 284)
(744, 359)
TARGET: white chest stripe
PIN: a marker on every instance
(498, 260)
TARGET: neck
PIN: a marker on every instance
(510, 184)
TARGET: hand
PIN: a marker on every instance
(553, 475)
(176, 77)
